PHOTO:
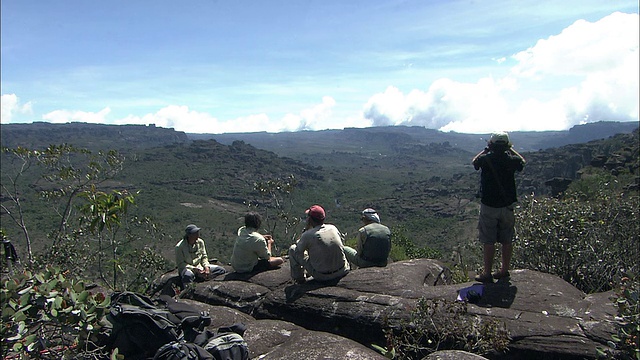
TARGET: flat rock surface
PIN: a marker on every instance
(545, 316)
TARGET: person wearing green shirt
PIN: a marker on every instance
(252, 250)
(191, 258)
(374, 242)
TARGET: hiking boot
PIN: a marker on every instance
(488, 278)
(501, 275)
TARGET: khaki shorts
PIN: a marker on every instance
(496, 224)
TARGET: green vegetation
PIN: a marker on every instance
(438, 325)
(627, 341)
(115, 218)
(403, 248)
(50, 315)
(589, 237)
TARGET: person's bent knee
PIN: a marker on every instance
(275, 261)
(487, 241)
(216, 270)
(188, 277)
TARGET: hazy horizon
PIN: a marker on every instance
(277, 66)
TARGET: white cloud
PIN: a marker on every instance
(447, 105)
(582, 48)
(314, 118)
(66, 116)
(10, 106)
(587, 73)
(179, 118)
(191, 121)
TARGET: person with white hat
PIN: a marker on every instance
(374, 242)
(499, 163)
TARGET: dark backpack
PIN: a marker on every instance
(192, 321)
(139, 328)
(225, 344)
(228, 346)
(182, 350)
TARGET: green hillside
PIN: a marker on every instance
(426, 188)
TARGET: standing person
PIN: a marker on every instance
(319, 251)
(499, 162)
(192, 259)
(374, 242)
(252, 250)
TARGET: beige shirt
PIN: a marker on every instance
(324, 246)
(249, 247)
(189, 257)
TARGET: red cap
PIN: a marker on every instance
(316, 212)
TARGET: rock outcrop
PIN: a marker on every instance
(546, 317)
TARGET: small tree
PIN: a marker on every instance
(20, 160)
(71, 171)
(58, 174)
(105, 214)
(276, 197)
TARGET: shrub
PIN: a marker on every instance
(626, 343)
(437, 324)
(403, 248)
(48, 315)
(588, 243)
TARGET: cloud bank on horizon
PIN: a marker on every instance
(463, 81)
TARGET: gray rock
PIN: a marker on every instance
(275, 339)
(453, 355)
(545, 316)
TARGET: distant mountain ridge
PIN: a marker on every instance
(374, 140)
(39, 135)
(417, 177)
(384, 139)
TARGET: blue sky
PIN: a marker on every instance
(207, 66)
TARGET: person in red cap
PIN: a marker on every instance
(320, 251)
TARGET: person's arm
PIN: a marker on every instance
(263, 247)
(518, 155)
(302, 244)
(181, 259)
(476, 159)
(362, 238)
(202, 256)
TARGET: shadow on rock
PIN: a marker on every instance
(500, 294)
(245, 276)
(296, 291)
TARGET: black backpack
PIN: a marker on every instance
(139, 328)
(226, 343)
(228, 346)
(182, 350)
(192, 321)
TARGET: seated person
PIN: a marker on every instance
(192, 259)
(374, 242)
(252, 250)
(319, 251)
